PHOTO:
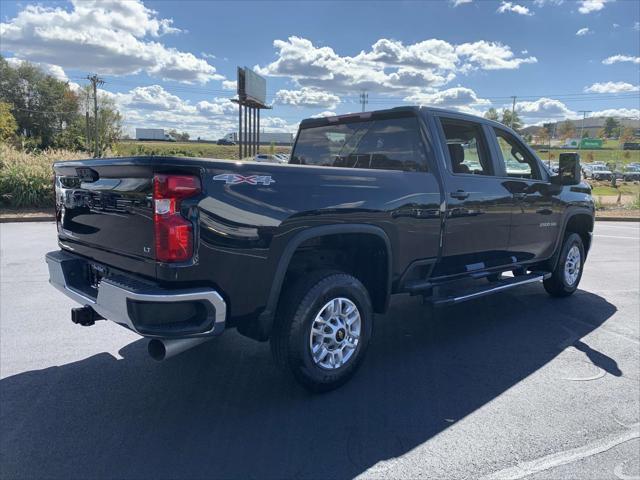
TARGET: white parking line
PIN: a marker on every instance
(616, 236)
(547, 462)
(619, 226)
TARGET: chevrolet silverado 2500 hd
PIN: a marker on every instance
(407, 200)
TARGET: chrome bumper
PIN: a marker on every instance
(112, 298)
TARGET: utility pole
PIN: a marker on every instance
(513, 110)
(584, 115)
(95, 81)
(364, 99)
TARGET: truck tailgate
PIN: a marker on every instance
(106, 208)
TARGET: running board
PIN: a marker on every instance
(493, 287)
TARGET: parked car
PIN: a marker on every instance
(406, 200)
(631, 173)
(263, 157)
(600, 172)
(225, 141)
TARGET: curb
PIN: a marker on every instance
(617, 219)
(33, 218)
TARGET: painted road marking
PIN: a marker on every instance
(547, 462)
(614, 236)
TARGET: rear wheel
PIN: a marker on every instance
(565, 278)
(323, 330)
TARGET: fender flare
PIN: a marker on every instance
(570, 213)
(266, 318)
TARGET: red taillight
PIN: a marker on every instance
(174, 233)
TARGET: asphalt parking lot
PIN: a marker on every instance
(510, 386)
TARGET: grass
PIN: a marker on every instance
(185, 149)
(26, 179)
(619, 157)
(624, 188)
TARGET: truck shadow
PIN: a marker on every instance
(223, 410)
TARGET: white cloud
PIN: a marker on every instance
(458, 98)
(618, 112)
(583, 31)
(56, 71)
(491, 55)
(210, 56)
(388, 66)
(542, 3)
(229, 85)
(543, 109)
(277, 124)
(588, 6)
(326, 113)
(154, 107)
(636, 26)
(107, 37)
(307, 97)
(514, 8)
(457, 3)
(620, 58)
(616, 25)
(612, 87)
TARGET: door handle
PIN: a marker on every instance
(459, 194)
(519, 195)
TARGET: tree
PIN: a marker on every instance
(8, 124)
(546, 132)
(516, 124)
(567, 129)
(178, 137)
(627, 135)
(611, 127)
(42, 105)
(109, 120)
(491, 114)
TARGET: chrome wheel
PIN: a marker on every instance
(572, 265)
(335, 333)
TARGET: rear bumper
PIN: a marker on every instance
(145, 308)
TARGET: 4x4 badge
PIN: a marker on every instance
(235, 179)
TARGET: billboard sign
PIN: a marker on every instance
(251, 85)
(591, 143)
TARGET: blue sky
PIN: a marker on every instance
(172, 64)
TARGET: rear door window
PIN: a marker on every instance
(391, 144)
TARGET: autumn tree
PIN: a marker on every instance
(567, 129)
(8, 124)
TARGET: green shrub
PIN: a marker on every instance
(26, 179)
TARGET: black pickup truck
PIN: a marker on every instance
(401, 201)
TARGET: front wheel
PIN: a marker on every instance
(565, 278)
(323, 329)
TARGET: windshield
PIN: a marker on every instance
(392, 144)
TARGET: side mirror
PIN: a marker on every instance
(569, 171)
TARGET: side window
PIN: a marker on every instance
(467, 147)
(392, 144)
(518, 162)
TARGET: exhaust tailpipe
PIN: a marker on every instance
(161, 349)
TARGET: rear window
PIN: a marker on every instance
(391, 144)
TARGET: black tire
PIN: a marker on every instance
(558, 285)
(290, 339)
